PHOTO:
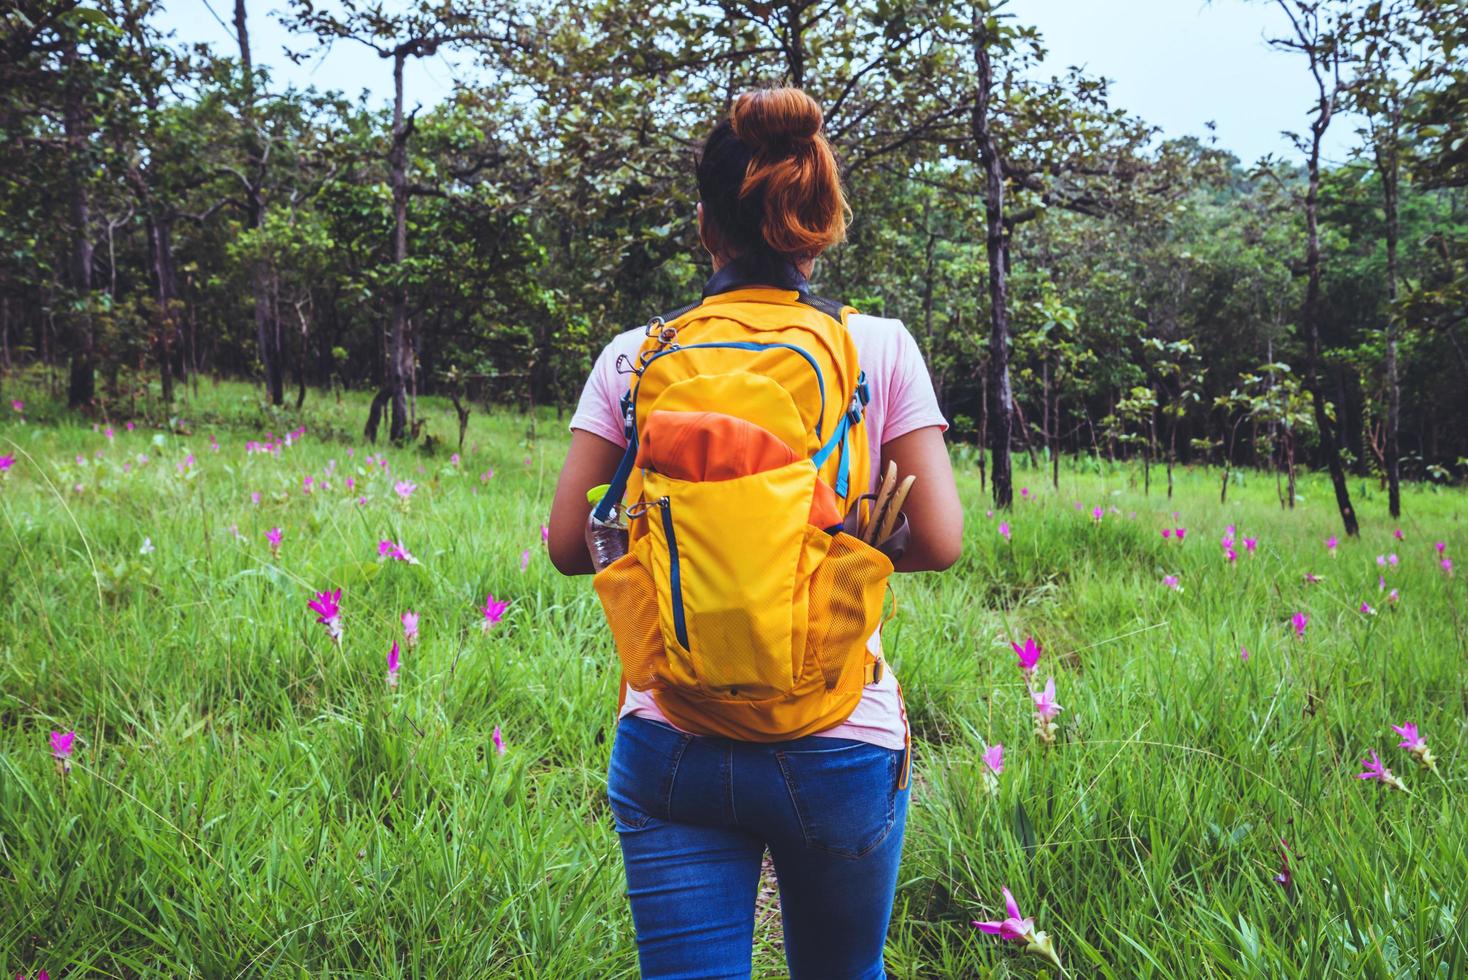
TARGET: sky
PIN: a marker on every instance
(1175, 63)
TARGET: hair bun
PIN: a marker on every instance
(775, 120)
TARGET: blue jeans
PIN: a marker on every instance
(695, 814)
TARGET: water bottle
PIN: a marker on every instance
(606, 540)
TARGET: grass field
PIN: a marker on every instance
(246, 797)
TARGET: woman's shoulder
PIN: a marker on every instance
(880, 340)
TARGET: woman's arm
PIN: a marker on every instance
(590, 462)
(932, 508)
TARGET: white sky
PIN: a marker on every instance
(1175, 63)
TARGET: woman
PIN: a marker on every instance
(694, 813)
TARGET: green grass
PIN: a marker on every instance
(248, 799)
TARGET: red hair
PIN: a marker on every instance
(789, 192)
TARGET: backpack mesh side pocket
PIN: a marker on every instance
(629, 598)
(846, 591)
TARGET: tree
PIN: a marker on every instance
(1317, 33)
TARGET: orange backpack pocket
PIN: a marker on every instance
(845, 607)
(628, 596)
(727, 557)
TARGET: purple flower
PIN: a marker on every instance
(404, 488)
(524, 559)
(61, 743)
(1447, 566)
(1441, 546)
(1367, 610)
(1181, 533)
(393, 663)
(544, 534)
(1398, 534)
(1046, 707)
(1393, 597)
(327, 607)
(6, 462)
(1167, 532)
(17, 405)
(1028, 654)
(1243, 653)
(494, 610)
(273, 536)
(994, 758)
(1171, 581)
(1312, 579)
(1250, 544)
(498, 740)
(1004, 530)
(1230, 555)
(410, 627)
(1299, 621)
(1097, 513)
(1415, 745)
(1284, 878)
(1024, 492)
(1016, 928)
(1373, 768)
(307, 484)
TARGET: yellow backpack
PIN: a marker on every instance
(741, 604)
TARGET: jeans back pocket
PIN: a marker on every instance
(845, 796)
(644, 763)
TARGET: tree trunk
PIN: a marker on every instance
(1387, 165)
(398, 323)
(1311, 319)
(267, 330)
(160, 238)
(1001, 418)
(81, 386)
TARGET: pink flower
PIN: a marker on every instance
(498, 740)
(404, 488)
(17, 405)
(109, 433)
(1284, 878)
(1024, 492)
(255, 497)
(1015, 928)
(1097, 513)
(1415, 745)
(393, 663)
(6, 462)
(273, 536)
(1366, 609)
(494, 610)
(994, 758)
(61, 750)
(1167, 532)
(1230, 555)
(351, 483)
(306, 484)
(544, 534)
(1029, 654)
(1004, 530)
(1391, 559)
(1373, 768)
(410, 627)
(1243, 653)
(1046, 707)
(1171, 581)
(454, 459)
(1299, 620)
(524, 559)
(1181, 532)
(487, 475)
(395, 551)
(1447, 566)
(327, 607)
(1312, 579)
(1250, 544)
(1393, 597)
(129, 427)
(1441, 546)
(1398, 534)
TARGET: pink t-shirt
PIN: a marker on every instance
(902, 401)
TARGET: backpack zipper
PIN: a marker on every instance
(680, 625)
(747, 345)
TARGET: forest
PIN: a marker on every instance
(1079, 281)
